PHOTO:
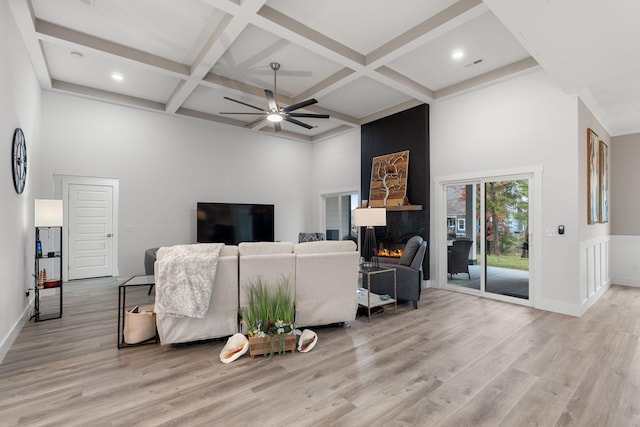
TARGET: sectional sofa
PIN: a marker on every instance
(323, 280)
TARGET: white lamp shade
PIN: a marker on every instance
(48, 213)
(371, 217)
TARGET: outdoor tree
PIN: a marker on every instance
(506, 201)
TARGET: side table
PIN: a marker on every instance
(122, 295)
(368, 299)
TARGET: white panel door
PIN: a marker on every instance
(90, 231)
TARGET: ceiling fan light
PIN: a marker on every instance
(274, 117)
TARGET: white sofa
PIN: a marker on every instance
(222, 317)
(323, 280)
(326, 282)
(271, 261)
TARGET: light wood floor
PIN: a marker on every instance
(458, 360)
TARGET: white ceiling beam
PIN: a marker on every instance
(242, 13)
(328, 85)
(332, 133)
(73, 39)
(441, 23)
(404, 84)
(289, 29)
(227, 32)
(374, 64)
(106, 96)
(390, 111)
(216, 81)
(502, 73)
(25, 20)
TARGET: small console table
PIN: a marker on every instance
(122, 304)
(368, 299)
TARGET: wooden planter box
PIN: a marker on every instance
(258, 346)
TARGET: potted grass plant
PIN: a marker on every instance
(269, 317)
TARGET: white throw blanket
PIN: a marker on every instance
(184, 279)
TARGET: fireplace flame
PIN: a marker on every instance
(390, 253)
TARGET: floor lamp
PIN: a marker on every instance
(370, 217)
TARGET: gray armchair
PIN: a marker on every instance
(409, 274)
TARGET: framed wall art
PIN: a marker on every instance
(604, 182)
(593, 177)
(389, 180)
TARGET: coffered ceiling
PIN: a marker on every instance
(361, 59)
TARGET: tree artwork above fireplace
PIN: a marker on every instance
(389, 180)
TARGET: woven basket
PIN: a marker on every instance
(139, 324)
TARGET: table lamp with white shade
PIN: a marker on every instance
(369, 218)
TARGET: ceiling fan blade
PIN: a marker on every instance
(243, 103)
(299, 123)
(310, 115)
(271, 100)
(300, 105)
(254, 114)
(255, 122)
(277, 126)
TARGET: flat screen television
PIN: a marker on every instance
(232, 223)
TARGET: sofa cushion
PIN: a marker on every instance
(410, 250)
(265, 248)
(325, 246)
(229, 250)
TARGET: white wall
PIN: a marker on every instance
(625, 209)
(336, 168)
(520, 123)
(166, 164)
(19, 107)
(595, 239)
(625, 174)
(587, 120)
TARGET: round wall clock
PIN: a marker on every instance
(19, 160)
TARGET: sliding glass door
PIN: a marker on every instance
(464, 265)
(339, 211)
(488, 236)
(507, 236)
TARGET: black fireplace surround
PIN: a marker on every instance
(401, 226)
(407, 130)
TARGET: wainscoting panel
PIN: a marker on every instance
(626, 260)
(595, 270)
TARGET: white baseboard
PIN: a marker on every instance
(560, 307)
(627, 281)
(7, 342)
(594, 298)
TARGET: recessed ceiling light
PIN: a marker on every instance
(117, 77)
(76, 55)
(457, 54)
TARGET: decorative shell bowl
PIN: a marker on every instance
(307, 341)
(236, 346)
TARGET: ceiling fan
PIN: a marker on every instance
(275, 113)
